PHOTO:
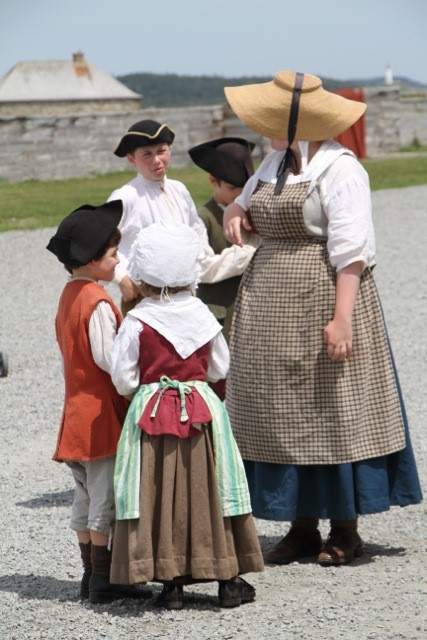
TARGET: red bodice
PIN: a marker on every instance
(158, 357)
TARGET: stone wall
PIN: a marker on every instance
(413, 121)
(66, 146)
(382, 120)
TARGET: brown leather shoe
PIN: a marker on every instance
(298, 543)
(341, 547)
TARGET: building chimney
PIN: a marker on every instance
(80, 64)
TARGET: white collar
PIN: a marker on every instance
(153, 184)
(322, 160)
(185, 321)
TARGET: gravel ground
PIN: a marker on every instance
(380, 596)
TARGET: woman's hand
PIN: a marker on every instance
(337, 335)
(236, 225)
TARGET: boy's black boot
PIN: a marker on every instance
(101, 590)
(85, 553)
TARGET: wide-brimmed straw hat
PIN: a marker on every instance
(143, 134)
(265, 108)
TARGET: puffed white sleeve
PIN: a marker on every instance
(243, 200)
(126, 228)
(346, 199)
(216, 267)
(124, 356)
(219, 359)
(102, 333)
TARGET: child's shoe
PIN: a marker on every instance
(234, 592)
(172, 596)
(102, 591)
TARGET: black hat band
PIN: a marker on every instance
(289, 160)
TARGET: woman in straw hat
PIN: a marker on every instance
(313, 394)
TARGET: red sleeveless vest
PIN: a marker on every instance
(93, 410)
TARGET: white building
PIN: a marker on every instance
(59, 87)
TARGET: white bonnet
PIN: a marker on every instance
(165, 254)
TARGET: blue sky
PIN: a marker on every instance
(333, 38)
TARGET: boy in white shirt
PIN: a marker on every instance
(152, 197)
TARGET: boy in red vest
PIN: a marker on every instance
(86, 324)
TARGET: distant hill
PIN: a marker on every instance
(172, 90)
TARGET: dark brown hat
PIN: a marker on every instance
(228, 159)
(85, 232)
(142, 134)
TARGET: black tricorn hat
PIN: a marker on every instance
(142, 134)
(228, 159)
(85, 232)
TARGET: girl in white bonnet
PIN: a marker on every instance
(183, 507)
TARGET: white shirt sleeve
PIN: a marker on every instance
(219, 359)
(144, 203)
(243, 200)
(102, 332)
(124, 356)
(216, 267)
(346, 199)
(125, 194)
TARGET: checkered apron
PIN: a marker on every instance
(288, 402)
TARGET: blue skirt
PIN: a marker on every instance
(341, 491)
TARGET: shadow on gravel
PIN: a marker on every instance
(58, 499)
(194, 601)
(31, 587)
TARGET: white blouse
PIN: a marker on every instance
(147, 201)
(184, 320)
(345, 196)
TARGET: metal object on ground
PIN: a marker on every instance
(3, 365)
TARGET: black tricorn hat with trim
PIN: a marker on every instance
(228, 159)
(85, 232)
(142, 134)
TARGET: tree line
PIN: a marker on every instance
(172, 90)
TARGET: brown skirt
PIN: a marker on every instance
(181, 532)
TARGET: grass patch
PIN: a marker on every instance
(395, 173)
(37, 204)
